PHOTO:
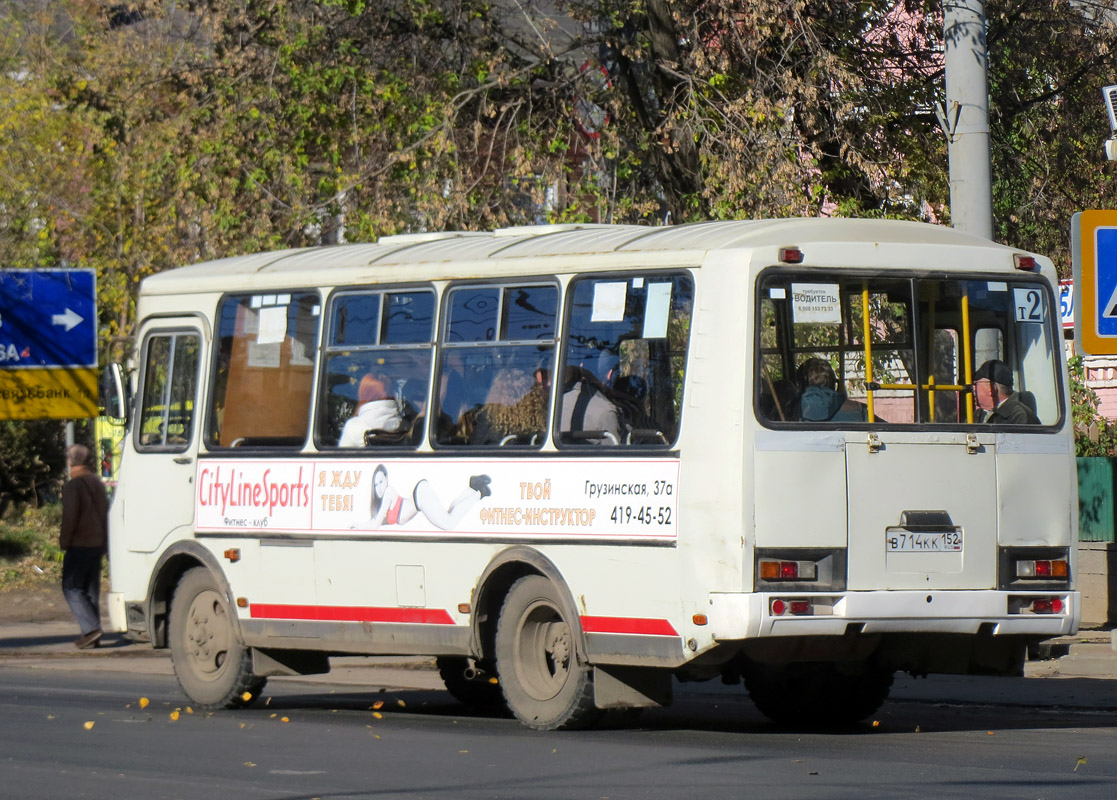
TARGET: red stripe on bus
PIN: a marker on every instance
(421, 616)
(650, 627)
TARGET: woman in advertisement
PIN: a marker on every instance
(389, 507)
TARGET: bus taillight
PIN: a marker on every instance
(772, 570)
(796, 608)
(1043, 568)
(1022, 604)
(1047, 605)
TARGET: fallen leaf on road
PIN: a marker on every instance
(377, 704)
(249, 764)
(88, 726)
(174, 715)
(284, 719)
(378, 715)
(144, 702)
(1079, 763)
(246, 696)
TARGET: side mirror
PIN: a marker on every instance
(115, 395)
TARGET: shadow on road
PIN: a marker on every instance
(732, 712)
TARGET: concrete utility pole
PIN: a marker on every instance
(966, 117)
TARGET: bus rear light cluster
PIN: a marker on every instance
(1056, 604)
(1028, 263)
(1047, 605)
(1043, 569)
(772, 570)
(794, 608)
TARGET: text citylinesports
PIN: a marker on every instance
(234, 491)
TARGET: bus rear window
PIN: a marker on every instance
(866, 350)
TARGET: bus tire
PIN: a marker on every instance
(481, 692)
(213, 668)
(817, 694)
(544, 685)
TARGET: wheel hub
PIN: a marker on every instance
(208, 633)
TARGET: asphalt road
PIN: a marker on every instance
(941, 737)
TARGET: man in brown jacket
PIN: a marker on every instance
(84, 539)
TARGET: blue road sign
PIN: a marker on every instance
(48, 318)
(1105, 254)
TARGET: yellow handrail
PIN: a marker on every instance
(967, 357)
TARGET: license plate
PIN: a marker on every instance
(916, 542)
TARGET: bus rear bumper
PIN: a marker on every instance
(734, 617)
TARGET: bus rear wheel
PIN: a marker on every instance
(543, 683)
(213, 668)
(823, 694)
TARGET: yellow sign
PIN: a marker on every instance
(1094, 259)
(48, 393)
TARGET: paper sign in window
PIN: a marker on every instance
(608, 301)
(657, 310)
(264, 356)
(273, 325)
(1028, 304)
(816, 302)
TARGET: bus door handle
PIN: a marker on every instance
(874, 443)
(972, 444)
(182, 459)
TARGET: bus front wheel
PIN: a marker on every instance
(543, 683)
(817, 693)
(213, 668)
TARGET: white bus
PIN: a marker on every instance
(575, 463)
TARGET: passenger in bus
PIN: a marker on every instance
(389, 507)
(587, 409)
(514, 411)
(819, 398)
(992, 388)
(376, 411)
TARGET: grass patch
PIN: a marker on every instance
(29, 553)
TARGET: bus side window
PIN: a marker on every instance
(167, 401)
(265, 366)
(376, 368)
(624, 359)
(497, 359)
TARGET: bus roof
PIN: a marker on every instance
(690, 242)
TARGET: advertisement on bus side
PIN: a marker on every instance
(543, 498)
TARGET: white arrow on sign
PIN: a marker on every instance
(69, 319)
